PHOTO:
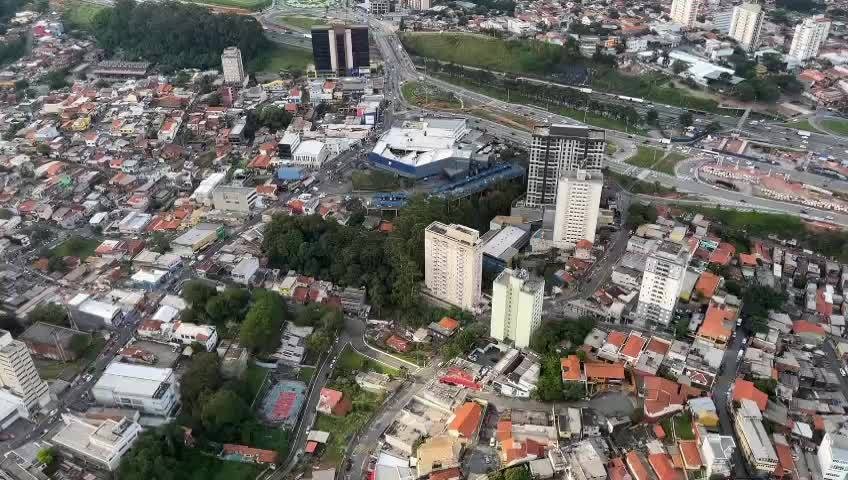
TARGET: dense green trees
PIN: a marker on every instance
(48, 313)
(260, 331)
(223, 413)
(275, 118)
(550, 335)
(389, 267)
(159, 242)
(12, 50)
(175, 34)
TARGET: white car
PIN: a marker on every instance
(843, 372)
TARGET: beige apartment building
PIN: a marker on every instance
(453, 258)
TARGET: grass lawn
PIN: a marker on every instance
(305, 374)
(351, 360)
(80, 14)
(651, 158)
(803, 125)
(342, 429)
(205, 467)
(254, 377)
(634, 185)
(281, 58)
(421, 94)
(305, 23)
(76, 247)
(375, 181)
(839, 127)
(246, 4)
(591, 119)
(682, 428)
(610, 148)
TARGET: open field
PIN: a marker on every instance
(79, 15)
(679, 426)
(634, 185)
(52, 369)
(342, 429)
(804, 125)
(305, 374)
(351, 360)
(540, 59)
(839, 127)
(281, 58)
(76, 247)
(303, 23)
(422, 94)
(652, 158)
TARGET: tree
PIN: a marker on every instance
(159, 242)
(46, 456)
(201, 379)
(745, 91)
(275, 118)
(549, 388)
(517, 473)
(260, 331)
(685, 119)
(223, 412)
(79, 344)
(679, 66)
(48, 313)
(21, 85)
(573, 391)
(652, 117)
(55, 79)
(197, 292)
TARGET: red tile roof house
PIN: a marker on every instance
(632, 348)
(747, 390)
(333, 402)
(466, 419)
(664, 397)
(398, 344)
(250, 455)
(665, 470)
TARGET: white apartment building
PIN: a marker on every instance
(717, 453)
(18, 375)
(516, 306)
(577, 203)
(745, 25)
(453, 264)
(809, 37)
(684, 12)
(102, 442)
(417, 4)
(661, 283)
(556, 150)
(150, 390)
(310, 154)
(833, 457)
(231, 64)
(754, 441)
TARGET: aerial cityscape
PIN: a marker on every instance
(423, 240)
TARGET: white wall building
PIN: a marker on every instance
(230, 198)
(809, 37)
(310, 154)
(577, 203)
(717, 453)
(516, 306)
(833, 457)
(188, 333)
(745, 25)
(102, 442)
(19, 377)
(453, 264)
(558, 149)
(150, 390)
(661, 282)
(417, 4)
(754, 441)
(684, 12)
(203, 193)
(231, 64)
(245, 269)
(12, 407)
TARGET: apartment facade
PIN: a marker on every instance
(745, 25)
(18, 374)
(577, 203)
(417, 4)
(516, 306)
(809, 37)
(231, 64)
(229, 198)
(340, 49)
(833, 457)
(453, 258)
(556, 150)
(753, 440)
(661, 283)
(684, 12)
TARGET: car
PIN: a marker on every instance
(491, 443)
(739, 322)
(843, 372)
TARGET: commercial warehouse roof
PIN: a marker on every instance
(506, 239)
(136, 380)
